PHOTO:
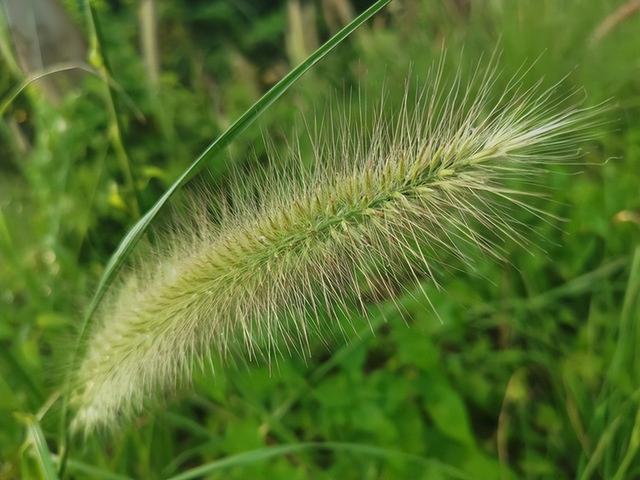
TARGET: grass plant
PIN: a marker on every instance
(481, 307)
(290, 249)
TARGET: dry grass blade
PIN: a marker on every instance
(612, 20)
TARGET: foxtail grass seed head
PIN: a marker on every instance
(386, 201)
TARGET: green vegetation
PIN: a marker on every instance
(534, 370)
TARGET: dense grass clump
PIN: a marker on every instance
(386, 202)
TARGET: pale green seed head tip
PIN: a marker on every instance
(293, 247)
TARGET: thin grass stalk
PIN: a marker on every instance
(100, 62)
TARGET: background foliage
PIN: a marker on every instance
(534, 371)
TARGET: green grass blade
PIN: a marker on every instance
(620, 376)
(624, 355)
(603, 443)
(262, 454)
(632, 450)
(250, 116)
(18, 89)
(21, 374)
(36, 438)
(99, 59)
(67, 67)
(240, 459)
(90, 471)
(246, 119)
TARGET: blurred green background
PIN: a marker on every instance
(532, 374)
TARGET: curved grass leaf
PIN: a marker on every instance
(135, 233)
(216, 147)
(89, 471)
(246, 458)
(66, 67)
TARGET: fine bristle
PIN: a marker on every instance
(387, 202)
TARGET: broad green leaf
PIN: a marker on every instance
(448, 411)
